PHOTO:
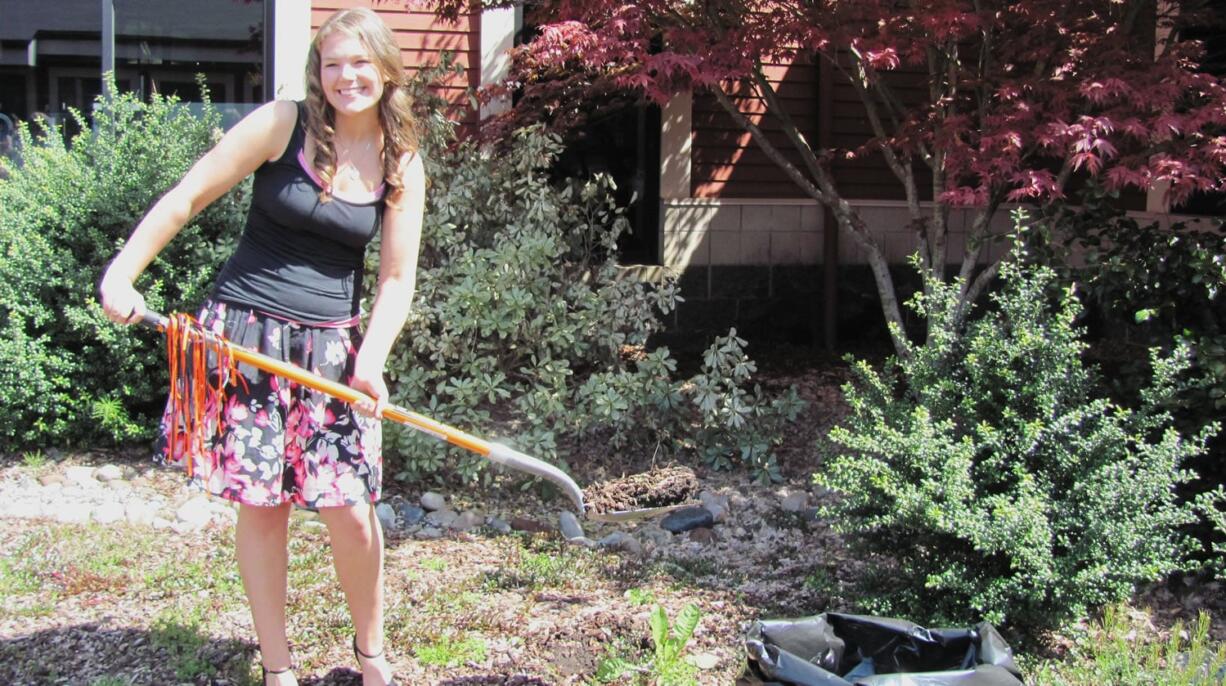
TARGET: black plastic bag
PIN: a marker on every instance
(834, 649)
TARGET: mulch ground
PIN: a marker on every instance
(548, 626)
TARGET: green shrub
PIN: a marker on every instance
(523, 321)
(66, 374)
(1146, 285)
(993, 472)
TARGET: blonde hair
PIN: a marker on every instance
(395, 107)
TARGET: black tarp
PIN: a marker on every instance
(833, 649)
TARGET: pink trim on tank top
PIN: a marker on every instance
(340, 324)
(377, 194)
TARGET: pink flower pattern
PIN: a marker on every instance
(279, 441)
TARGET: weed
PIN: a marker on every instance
(434, 564)
(640, 596)
(34, 459)
(451, 602)
(111, 681)
(552, 567)
(1115, 651)
(666, 667)
(446, 651)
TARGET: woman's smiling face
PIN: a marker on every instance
(350, 78)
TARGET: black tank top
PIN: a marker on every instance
(298, 258)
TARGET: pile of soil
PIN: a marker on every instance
(654, 488)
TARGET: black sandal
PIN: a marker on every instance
(264, 672)
(359, 656)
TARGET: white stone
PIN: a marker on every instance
(80, 475)
(795, 502)
(23, 509)
(161, 523)
(137, 512)
(108, 472)
(108, 513)
(441, 518)
(468, 521)
(704, 661)
(498, 524)
(73, 513)
(194, 513)
(432, 501)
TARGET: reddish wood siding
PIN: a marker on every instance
(727, 163)
(423, 37)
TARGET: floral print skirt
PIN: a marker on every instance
(279, 441)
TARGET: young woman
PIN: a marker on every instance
(330, 172)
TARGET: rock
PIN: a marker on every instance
(386, 515)
(441, 518)
(194, 513)
(161, 523)
(108, 472)
(582, 541)
(108, 513)
(687, 518)
(704, 661)
(73, 513)
(795, 502)
(51, 479)
(612, 540)
(498, 524)
(620, 540)
(411, 515)
(130, 473)
(529, 525)
(80, 475)
(137, 512)
(701, 535)
(119, 486)
(717, 504)
(433, 501)
(429, 533)
(568, 524)
(55, 454)
(655, 535)
(468, 521)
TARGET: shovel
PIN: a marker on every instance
(494, 452)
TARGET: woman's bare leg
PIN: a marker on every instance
(357, 553)
(262, 537)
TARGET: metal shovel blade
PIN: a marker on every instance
(639, 514)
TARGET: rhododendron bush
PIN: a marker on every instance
(1022, 97)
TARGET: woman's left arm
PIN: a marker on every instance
(400, 244)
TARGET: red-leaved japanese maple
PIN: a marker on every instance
(1022, 95)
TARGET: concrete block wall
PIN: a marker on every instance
(757, 264)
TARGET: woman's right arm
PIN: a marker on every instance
(260, 136)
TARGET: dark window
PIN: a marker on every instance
(50, 54)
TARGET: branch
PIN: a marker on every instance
(975, 290)
(977, 237)
(793, 132)
(904, 173)
(769, 148)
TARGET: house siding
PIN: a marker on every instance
(424, 37)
